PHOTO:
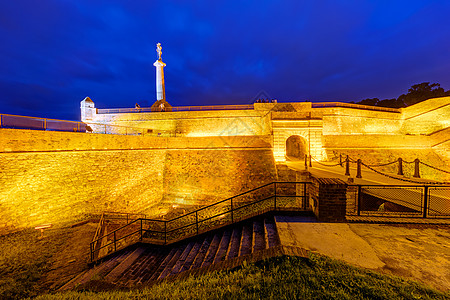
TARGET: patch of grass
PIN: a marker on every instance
(24, 259)
(277, 278)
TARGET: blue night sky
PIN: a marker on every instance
(56, 52)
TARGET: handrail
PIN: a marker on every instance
(42, 123)
(99, 227)
(165, 230)
(36, 123)
(175, 108)
(221, 201)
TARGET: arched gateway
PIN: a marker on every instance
(296, 147)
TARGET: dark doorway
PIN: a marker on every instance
(296, 147)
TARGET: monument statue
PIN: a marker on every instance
(160, 88)
(159, 50)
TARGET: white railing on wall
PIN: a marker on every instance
(24, 122)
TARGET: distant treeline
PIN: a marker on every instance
(417, 93)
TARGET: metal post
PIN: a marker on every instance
(310, 162)
(45, 124)
(425, 201)
(105, 129)
(340, 160)
(275, 196)
(416, 168)
(306, 161)
(400, 166)
(115, 241)
(359, 200)
(232, 221)
(196, 220)
(165, 232)
(304, 195)
(347, 166)
(92, 252)
(358, 169)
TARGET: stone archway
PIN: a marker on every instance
(296, 147)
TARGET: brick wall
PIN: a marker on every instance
(328, 199)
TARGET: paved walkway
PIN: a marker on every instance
(415, 251)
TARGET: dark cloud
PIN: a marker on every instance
(54, 53)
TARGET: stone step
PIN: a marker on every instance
(271, 233)
(223, 246)
(163, 263)
(180, 262)
(259, 242)
(144, 264)
(235, 243)
(168, 268)
(212, 250)
(147, 263)
(125, 264)
(246, 239)
(191, 257)
(96, 271)
(151, 268)
(202, 252)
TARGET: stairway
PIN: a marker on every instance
(144, 263)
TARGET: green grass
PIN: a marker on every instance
(276, 278)
(23, 261)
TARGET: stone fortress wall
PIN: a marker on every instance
(326, 129)
(195, 123)
(51, 177)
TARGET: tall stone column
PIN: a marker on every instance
(160, 87)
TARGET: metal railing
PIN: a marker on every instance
(175, 108)
(398, 165)
(412, 201)
(273, 196)
(34, 123)
(24, 122)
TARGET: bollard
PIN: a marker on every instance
(306, 161)
(310, 162)
(358, 168)
(347, 166)
(416, 168)
(340, 160)
(400, 166)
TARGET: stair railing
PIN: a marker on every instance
(274, 196)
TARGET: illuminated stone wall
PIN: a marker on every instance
(426, 117)
(340, 121)
(50, 177)
(195, 123)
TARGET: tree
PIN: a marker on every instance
(422, 91)
(392, 103)
(369, 101)
(416, 93)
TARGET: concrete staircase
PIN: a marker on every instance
(144, 263)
